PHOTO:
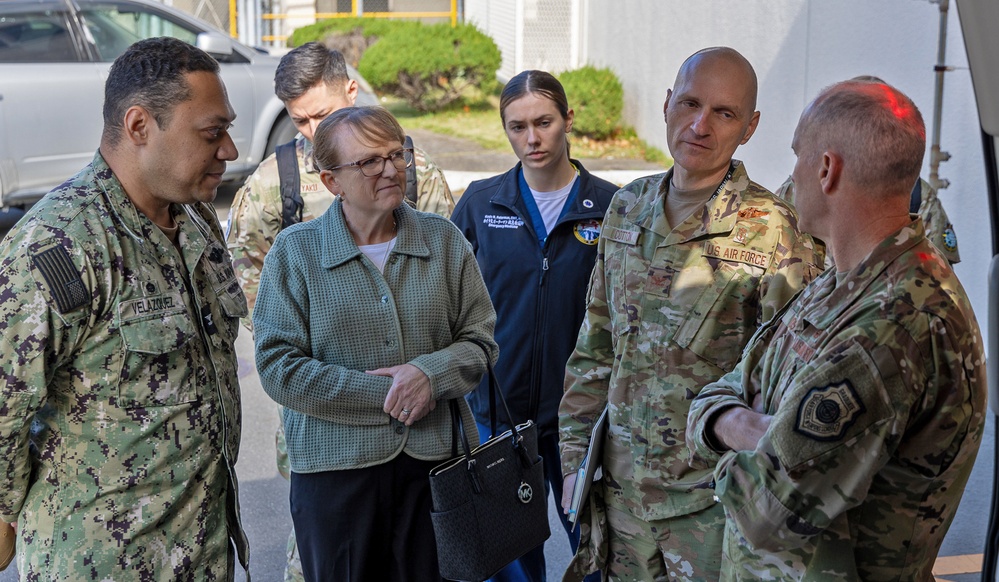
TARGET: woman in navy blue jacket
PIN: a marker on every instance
(534, 230)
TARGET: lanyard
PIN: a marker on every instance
(532, 207)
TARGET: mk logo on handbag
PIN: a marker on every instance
(525, 493)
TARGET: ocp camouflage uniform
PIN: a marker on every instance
(668, 311)
(120, 347)
(876, 382)
(255, 221)
(939, 230)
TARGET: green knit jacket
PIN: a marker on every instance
(325, 314)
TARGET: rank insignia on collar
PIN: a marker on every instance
(826, 413)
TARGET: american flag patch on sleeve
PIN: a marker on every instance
(63, 280)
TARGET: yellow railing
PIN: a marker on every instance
(452, 15)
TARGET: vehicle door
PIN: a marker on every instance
(50, 97)
(978, 25)
(113, 26)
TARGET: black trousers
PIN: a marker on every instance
(370, 524)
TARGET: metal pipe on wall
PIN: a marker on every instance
(936, 155)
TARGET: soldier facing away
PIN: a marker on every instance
(119, 401)
(843, 440)
(689, 264)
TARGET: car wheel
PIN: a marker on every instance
(282, 132)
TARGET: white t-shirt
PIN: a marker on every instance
(550, 203)
(378, 253)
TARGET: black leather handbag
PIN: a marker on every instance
(490, 505)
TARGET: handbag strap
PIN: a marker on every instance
(458, 426)
(494, 390)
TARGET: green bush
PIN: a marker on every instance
(350, 36)
(368, 27)
(597, 98)
(431, 66)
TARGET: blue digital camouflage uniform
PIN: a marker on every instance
(876, 382)
(121, 350)
(668, 311)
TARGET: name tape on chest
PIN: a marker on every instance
(628, 237)
(143, 306)
(737, 254)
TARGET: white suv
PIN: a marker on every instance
(54, 58)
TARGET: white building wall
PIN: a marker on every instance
(501, 20)
(798, 47)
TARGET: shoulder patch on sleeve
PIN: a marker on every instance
(63, 280)
(949, 239)
(825, 413)
(840, 396)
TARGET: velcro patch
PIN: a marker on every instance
(736, 254)
(63, 280)
(628, 237)
(826, 413)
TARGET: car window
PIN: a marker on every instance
(40, 36)
(114, 27)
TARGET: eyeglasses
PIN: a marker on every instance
(375, 165)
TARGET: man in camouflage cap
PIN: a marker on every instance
(119, 401)
(689, 263)
(312, 82)
(843, 440)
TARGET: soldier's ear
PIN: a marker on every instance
(137, 125)
(351, 92)
(751, 128)
(329, 180)
(830, 171)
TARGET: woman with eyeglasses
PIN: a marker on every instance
(364, 326)
(534, 230)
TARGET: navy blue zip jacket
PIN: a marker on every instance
(539, 292)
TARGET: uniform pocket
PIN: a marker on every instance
(723, 317)
(158, 357)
